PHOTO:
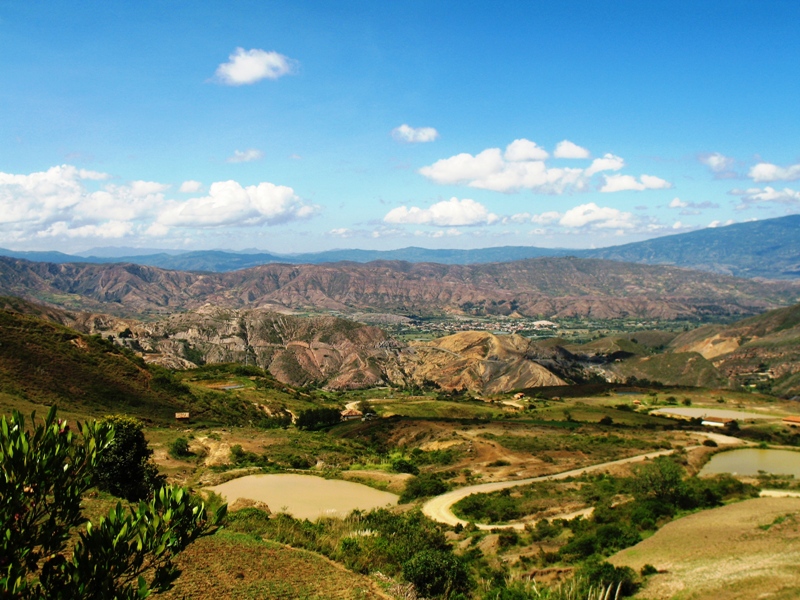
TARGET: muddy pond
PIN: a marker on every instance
(750, 461)
(305, 496)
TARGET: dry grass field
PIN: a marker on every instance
(744, 551)
(236, 565)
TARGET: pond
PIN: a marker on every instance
(305, 496)
(712, 412)
(750, 461)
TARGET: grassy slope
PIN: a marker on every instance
(237, 565)
(735, 552)
(47, 363)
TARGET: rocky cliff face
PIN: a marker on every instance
(341, 354)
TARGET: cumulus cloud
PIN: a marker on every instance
(621, 183)
(767, 195)
(719, 164)
(597, 217)
(240, 156)
(522, 166)
(764, 172)
(566, 149)
(523, 149)
(678, 203)
(229, 203)
(190, 187)
(68, 202)
(414, 135)
(447, 213)
(245, 67)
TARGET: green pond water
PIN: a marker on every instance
(750, 461)
(305, 496)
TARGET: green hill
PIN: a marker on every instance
(43, 363)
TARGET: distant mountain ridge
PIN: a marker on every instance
(549, 287)
(767, 249)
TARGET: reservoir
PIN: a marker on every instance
(305, 496)
(750, 461)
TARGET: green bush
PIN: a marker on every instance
(437, 573)
(45, 472)
(124, 469)
(424, 484)
(180, 448)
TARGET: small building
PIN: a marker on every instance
(791, 421)
(351, 414)
(519, 396)
(716, 421)
(181, 416)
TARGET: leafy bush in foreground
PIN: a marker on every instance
(45, 472)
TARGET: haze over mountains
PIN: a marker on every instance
(768, 248)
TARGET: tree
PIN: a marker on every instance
(124, 468)
(45, 472)
(437, 573)
(661, 480)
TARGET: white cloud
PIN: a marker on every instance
(240, 156)
(719, 164)
(67, 202)
(523, 149)
(678, 203)
(597, 217)
(566, 149)
(342, 232)
(718, 223)
(691, 208)
(621, 183)
(229, 203)
(108, 230)
(414, 135)
(768, 194)
(763, 172)
(546, 217)
(522, 166)
(447, 213)
(190, 187)
(464, 167)
(609, 162)
(245, 67)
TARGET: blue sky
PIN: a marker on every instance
(302, 126)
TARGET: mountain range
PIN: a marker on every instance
(542, 287)
(761, 352)
(768, 249)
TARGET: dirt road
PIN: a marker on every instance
(439, 508)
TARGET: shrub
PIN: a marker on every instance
(401, 465)
(180, 448)
(648, 569)
(124, 469)
(424, 484)
(710, 443)
(45, 473)
(437, 573)
(602, 573)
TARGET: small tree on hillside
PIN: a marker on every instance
(124, 469)
(45, 472)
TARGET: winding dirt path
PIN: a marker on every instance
(440, 507)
